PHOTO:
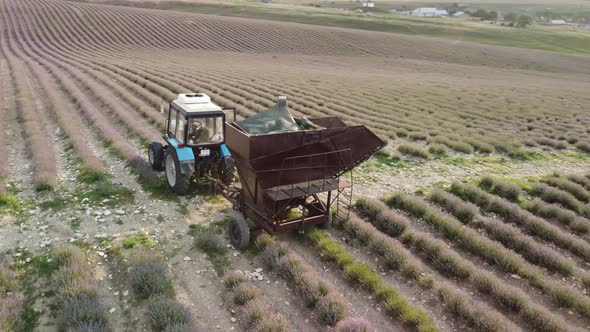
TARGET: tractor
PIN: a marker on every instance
(284, 163)
(195, 145)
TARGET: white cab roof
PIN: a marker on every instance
(196, 102)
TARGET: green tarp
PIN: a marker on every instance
(273, 120)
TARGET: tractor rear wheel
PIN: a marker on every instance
(239, 232)
(179, 183)
(156, 156)
(226, 171)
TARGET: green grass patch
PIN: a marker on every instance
(104, 191)
(364, 176)
(114, 250)
(43, 186)
(83, 245)
(158, 189)
(183, 208)
(360, 272)
(216, 199)
(527, 155)
(29, 277)
(137, 240)
(470, 162)
(382, 161)
(525, 183)
(375, 165)
(39, 265)
(521, 156)
(89, 176)
(576, 155)
(56, 203)
(75, 222)
(43, 265)
(10, 204)
(194, 229)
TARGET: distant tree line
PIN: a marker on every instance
(519, 21)
(484, 15)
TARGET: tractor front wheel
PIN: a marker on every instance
(239, 232)
(156, 156)
(179, 183)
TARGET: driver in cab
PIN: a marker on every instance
(198, 133)
(203, 131)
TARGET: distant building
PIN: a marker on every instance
(558, 22)
(368, 4)
(429, 12)
(459, 14)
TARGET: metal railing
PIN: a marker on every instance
(338, 160)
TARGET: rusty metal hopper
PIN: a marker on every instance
(300, 162)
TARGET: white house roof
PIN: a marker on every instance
(196, 102)
(425, 10)
(459, 14)
(558, 22)
(429, 11)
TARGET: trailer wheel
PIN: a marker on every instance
(239, 232)
(178, 182)
(327, 224)
(156, 156)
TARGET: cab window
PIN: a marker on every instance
(172, 122)
(180, 130)
(205, 130)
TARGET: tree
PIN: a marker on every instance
(485, 15)
(510, 17)
(523, 21)
(452, 9)
(492, 16)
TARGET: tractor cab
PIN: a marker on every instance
(195, 134)
(195, 121)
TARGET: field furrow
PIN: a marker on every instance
(138, 125)
(31, 117)
(454, 265)
(4, 105)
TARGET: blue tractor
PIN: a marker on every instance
(195, 143)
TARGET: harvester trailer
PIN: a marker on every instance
(283, 163)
